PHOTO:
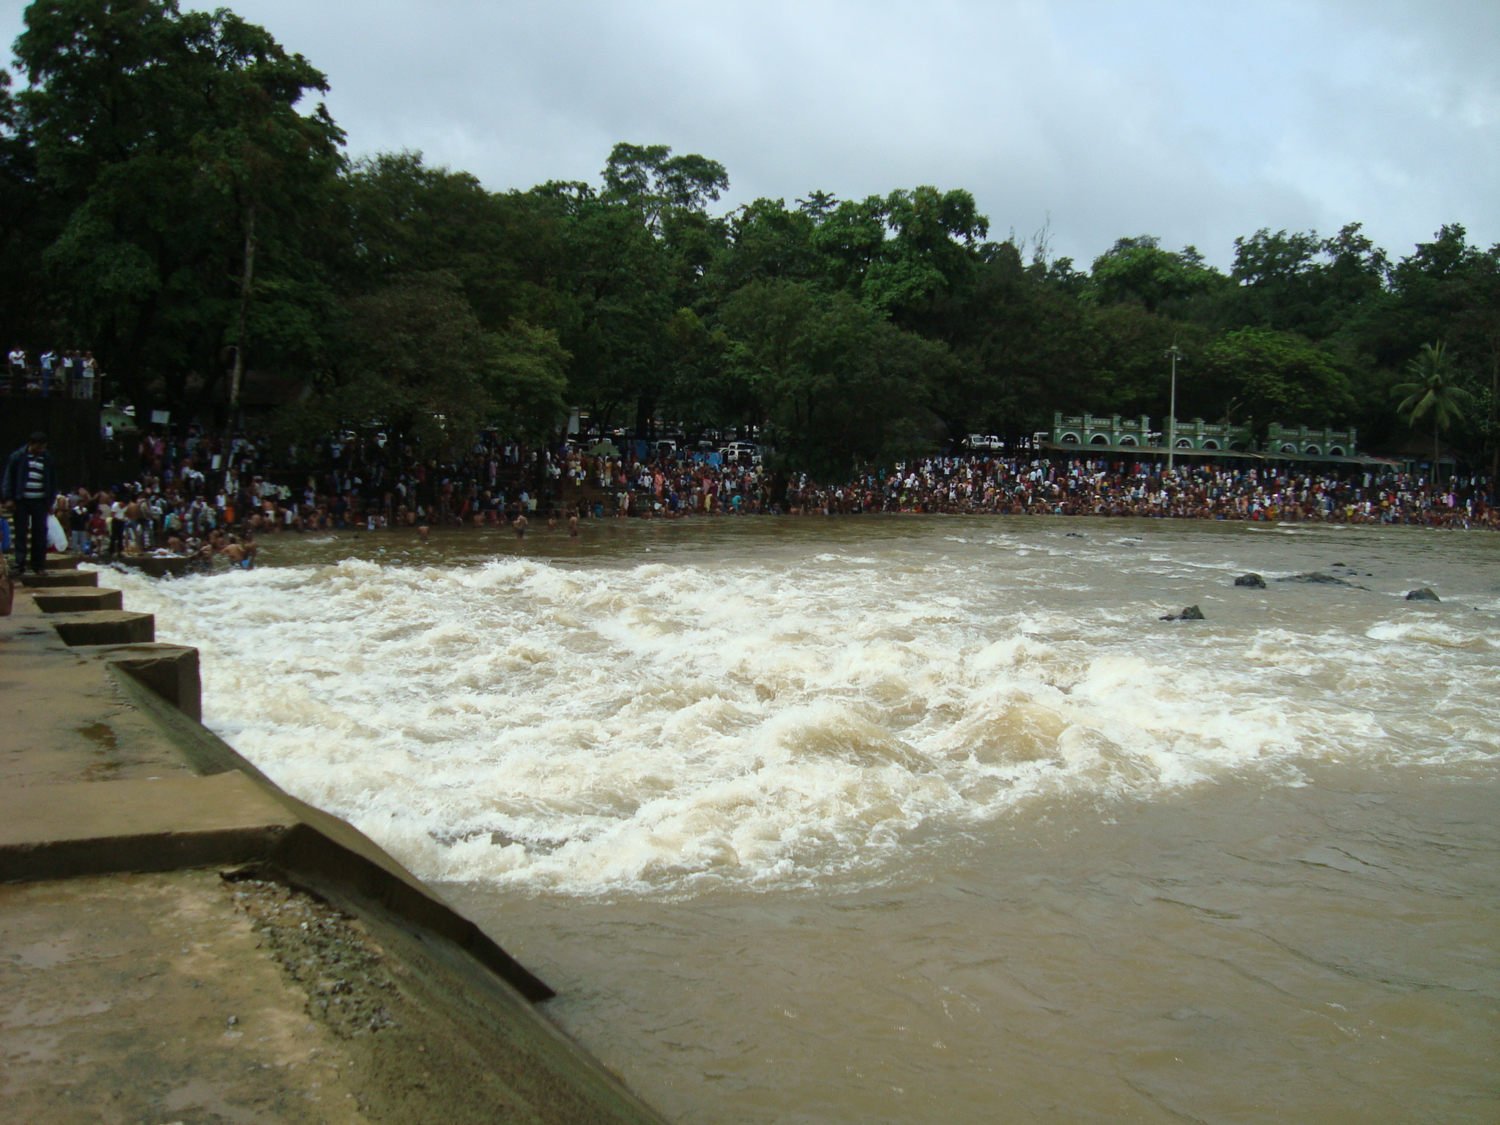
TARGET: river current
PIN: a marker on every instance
(923, 819)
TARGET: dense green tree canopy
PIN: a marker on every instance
(173, 197)
(172, 152)
(1139, 270)
(1275, 375)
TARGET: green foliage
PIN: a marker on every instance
(901, 254)
(654, 183)
(169, 198)
(837, 383)
(415, 357)
(1138, 270)
(765, 241)
(171, 146)
(1431, 392)
(1023, 346)
(527, 380)
(407, 217)
(1305, 284)
(1133, 377)
(1276, 375)
(614, 286)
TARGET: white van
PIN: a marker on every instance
(740, 453)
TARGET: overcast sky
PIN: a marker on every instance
(1192, 120)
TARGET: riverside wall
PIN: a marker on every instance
(181, 939)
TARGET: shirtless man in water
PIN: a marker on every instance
(519, 523)
(240, 554)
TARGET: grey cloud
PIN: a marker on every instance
(1193, 122)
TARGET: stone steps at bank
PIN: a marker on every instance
(118, 813)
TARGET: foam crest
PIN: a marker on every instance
(659, 728)
(1439, 634)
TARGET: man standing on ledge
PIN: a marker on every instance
(31, 482)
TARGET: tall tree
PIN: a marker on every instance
(1277, 276)
(414, 357)
(1431, 286)
(1277, 377)
(1138, 269)
(28, 223)
(1477, 328)
(1431, 392)
(765, 241)
(667, 197)
(1024, 345)
(614, 303)
(837, 383)
(174, 145)
(901, 254)
(654, 182)
(406, 216)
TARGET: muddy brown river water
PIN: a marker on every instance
(924, 819)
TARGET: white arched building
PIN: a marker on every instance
(1113, 433)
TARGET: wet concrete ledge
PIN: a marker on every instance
(107, 774)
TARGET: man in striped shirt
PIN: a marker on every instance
(30, 482)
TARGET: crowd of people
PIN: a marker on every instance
(194, 495)
(1081, 486)
(63, 372)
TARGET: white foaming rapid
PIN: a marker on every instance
(664, 727)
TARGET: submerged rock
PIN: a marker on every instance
(1424, 594)
(1191, 613)
(1316, 578)
(1254, 581)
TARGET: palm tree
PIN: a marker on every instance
(1431, 390)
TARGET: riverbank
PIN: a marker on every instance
(185, 940)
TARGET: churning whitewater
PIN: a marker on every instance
(826, 706)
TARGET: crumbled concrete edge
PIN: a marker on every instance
(326, 953)
(433, 1034)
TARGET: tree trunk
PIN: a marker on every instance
(1434, 453)
(247, 277)
(237, 373)
(1494, 419)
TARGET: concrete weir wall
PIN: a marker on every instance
(180, 939)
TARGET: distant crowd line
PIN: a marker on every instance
(1095, 487)
(190, 499)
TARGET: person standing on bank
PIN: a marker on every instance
(30, 482)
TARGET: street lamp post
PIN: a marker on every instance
(1174, 353)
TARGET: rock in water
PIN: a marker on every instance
(1425, 594)
(1316, 577)
(1191, 613)
(1254, 581)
